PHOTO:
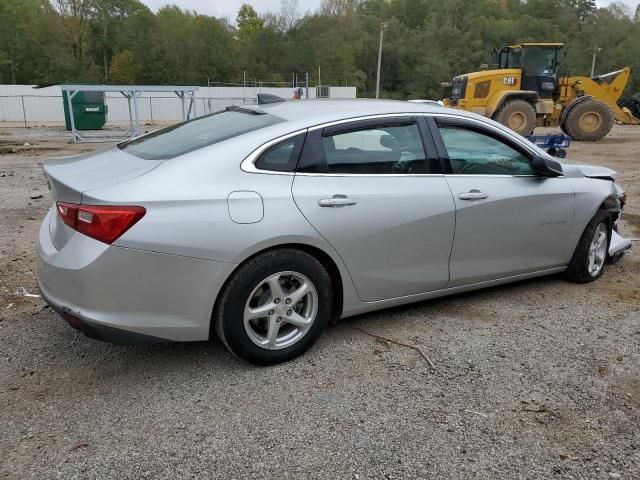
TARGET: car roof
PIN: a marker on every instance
(303, 114)
(313, 112)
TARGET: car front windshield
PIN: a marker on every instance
(194, 134)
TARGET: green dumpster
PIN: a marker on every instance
(89, 110)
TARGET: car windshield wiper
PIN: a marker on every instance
(250, 111)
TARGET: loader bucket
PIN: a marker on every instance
(608, 88)
(624, 116)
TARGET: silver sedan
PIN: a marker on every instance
(264, 223)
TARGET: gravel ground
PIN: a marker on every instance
(535, 380)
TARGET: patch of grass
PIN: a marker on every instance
(6, 149)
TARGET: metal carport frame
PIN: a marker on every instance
(131, 93)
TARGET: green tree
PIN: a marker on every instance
(580, 8)
(123, 71)
(249, 23)
(106, 17)
(22, 57)
(426, 42)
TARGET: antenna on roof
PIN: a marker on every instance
(265, 98)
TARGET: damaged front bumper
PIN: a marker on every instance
(618, 245)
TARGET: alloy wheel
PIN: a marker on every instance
(597, 250)
(280, 310)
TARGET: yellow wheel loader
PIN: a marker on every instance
(524, 91)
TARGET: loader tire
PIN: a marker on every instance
(564, 129)
(589, 121)
(518, 115)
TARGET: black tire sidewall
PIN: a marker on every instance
(578, 268)
(244, 282)
(564, 129)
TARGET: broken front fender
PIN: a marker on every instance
(618, 245)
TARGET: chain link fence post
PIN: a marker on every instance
(24, 112)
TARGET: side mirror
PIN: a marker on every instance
(546, 167)
(557, 152)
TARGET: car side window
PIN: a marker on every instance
(382, 149)
(281, 157)
(472, 152)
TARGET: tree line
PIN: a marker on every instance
(426, 42)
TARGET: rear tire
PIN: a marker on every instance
(590, 255)
(260, 298)
(518, 115)
(589, 121)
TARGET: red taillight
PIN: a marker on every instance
(104, 223)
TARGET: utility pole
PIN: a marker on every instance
(596, 50)
(383, 25)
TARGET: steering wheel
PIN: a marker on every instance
(406, 164)
(400, 166)
(502, 167)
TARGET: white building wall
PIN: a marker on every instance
(44, 106)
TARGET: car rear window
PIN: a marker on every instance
(200, 132)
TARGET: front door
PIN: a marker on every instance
(372, 191)
(508, 220)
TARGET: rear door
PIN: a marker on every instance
(375, 190)
(509, 221)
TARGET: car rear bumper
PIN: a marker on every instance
(126, 295)
(98, 331)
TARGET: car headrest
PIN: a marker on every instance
(388, 141)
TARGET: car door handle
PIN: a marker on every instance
(473, 195)
(337, 201)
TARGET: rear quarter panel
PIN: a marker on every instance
(188, 213)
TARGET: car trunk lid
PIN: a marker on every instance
(69, 178)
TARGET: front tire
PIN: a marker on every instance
(518, 115)
(274, 307)
(590, 255)
(564, 129)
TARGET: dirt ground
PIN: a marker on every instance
(535, 380)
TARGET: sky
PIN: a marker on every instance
(229, 8)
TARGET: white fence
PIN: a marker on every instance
(25, 105)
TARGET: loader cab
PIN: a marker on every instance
(538, 62)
